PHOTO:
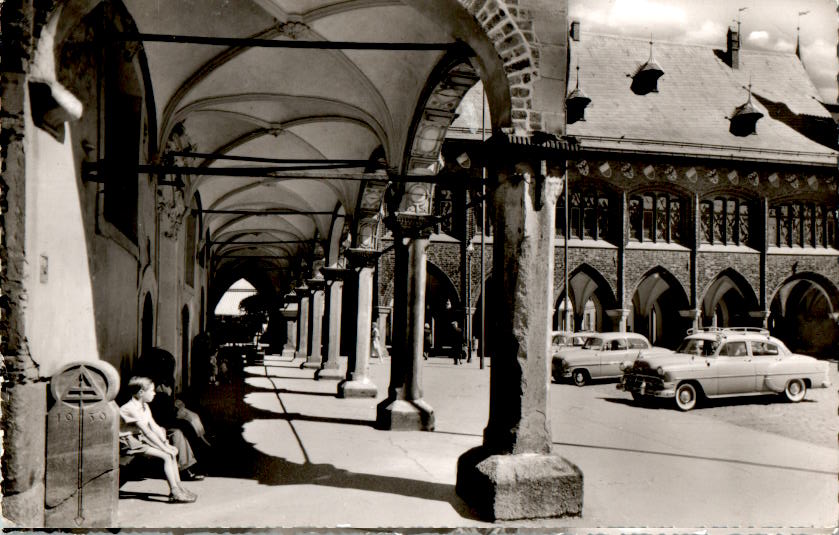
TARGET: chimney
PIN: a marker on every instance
(575, 30)
(733, 51)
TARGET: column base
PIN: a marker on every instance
(357, 389)
(310, 365)
(403, 415)
(329, 373)
(513, 487)
(289, 353)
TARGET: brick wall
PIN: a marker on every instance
(640, 261)
(710, 264)
(780, 267)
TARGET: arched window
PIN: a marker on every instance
(802, 225)
(725, 221)
(655, 217)
(588, 215)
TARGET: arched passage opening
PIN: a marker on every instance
(656, 305)
(589, 296)
(804, 313)
(728, 302)
(442, 306)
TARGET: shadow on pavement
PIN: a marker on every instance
(234, 457)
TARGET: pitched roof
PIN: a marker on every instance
(697, 95)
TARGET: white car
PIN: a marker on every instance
(602, 356)
(715, 363)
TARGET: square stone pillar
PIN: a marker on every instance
(619, 316)
(514, 475)
(303, 321)
(331, 367)
(82, 453)
(358, 383)
(404, 407)
(314, 357)
(290, 312)
(694, 315)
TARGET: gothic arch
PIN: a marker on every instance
(586, 284)
(731, 296)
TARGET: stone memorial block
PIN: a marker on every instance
(82, 458)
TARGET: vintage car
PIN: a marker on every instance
(602, 356)
(563, 339)
(716, 363)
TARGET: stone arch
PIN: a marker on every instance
(657, 301)
(442, 304)
(587, 287)
(804, 313)
(729, 298)
(502, 41)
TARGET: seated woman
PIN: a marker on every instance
(139, 434)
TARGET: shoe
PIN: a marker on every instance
(188, 493)
(189, 475)
(180, 496)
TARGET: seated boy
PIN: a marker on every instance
(140, 435)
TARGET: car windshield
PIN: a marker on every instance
(698, 346)
(559, 339)
(579, 340)
(593, 343)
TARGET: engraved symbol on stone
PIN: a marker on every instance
(712, 176)
(626, 169)
(670, 173)
(649, 172)
(753, 178)
(691, 174)
(79, 387)
(773, 179)
(733, 177)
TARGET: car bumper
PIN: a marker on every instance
(646, 386)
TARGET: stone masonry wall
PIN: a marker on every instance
(710, 264)
(640, 261)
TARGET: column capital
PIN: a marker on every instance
(362, 258)
(410, 225)
(335, 273)
(691, 313)
(289, 312)
(316, 284)
(618, 312)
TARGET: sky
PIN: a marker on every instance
(765, 24)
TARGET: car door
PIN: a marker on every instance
(735, 370)
(764, 355)
(611, 358)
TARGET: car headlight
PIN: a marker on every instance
(660, 371)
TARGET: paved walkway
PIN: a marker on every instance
(291, 454)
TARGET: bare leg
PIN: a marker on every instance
(170, 467)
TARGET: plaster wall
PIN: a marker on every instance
(60, 321)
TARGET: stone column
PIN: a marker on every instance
(619, 316)
(331, 368)
(694, 315)
(404, 407)
(358, 383)
(290, 312)
(303, 321)
(24, 394)
(514, 474)
(171, 214)
(314, 357)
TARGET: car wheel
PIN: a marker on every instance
(580, 377)
(795, 390)
(686, 397)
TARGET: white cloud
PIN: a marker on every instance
(710, 32)
(759, 37)
(820, 50)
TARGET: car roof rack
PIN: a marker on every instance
(728, 330)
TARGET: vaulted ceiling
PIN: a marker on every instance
(246, 104)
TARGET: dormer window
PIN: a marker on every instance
(576, 102)
(645, 79)
(745, 117)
